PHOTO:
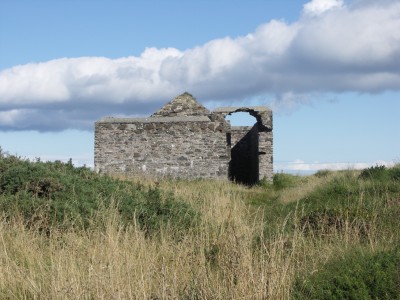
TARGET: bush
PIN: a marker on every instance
(381, 173)
(356, 276)
(282, 181)
(157, 212)
(323, 173)
(58, 194)
(376, 172)
(394, 173)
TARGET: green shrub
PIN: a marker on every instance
(58, 194)
(344, 199)
(378, 172)
(282, 180)
(355, 276)
(322, 173)
(394, 173)
(339, 192)
(157, 212)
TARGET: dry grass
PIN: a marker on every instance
(226, 257)
(299, 191)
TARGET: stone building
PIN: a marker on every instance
(184, 139)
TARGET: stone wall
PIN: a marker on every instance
(263, 116)
(265, 157)
(182, 105)
(187, 147)
(184, 139)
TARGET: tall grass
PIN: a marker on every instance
(243, 243)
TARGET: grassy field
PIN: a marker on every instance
(67, 233)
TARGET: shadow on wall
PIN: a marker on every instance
(244, 163)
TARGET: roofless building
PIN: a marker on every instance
(186, 140)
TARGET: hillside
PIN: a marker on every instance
(68, 233)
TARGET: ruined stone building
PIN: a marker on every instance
(184, 139)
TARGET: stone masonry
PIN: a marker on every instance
(185, 140)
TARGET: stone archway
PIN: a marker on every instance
(250, 146)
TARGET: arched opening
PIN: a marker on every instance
(250, 146)
(241, 118)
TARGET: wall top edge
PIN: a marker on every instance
(154, 120)
(231, 109)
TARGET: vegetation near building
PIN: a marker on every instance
(69, 233)
(185, 140)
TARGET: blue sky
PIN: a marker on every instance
(330, 70)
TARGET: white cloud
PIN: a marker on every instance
(300, 166)
(13, 116)
(289, 101)
(317, 7)
(331, 48)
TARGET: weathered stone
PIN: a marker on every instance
(182, 105)
(184, 139)
(122, 127)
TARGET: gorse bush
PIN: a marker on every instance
(58, 194)
(350, 193)
(323, 173)
(355, 276)
(157, 212)
(380, 172)
(283, 180)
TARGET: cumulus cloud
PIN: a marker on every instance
(317, 7)
(300, 166)
(333, 47)
(289, 101)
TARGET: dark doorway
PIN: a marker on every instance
(244, 164)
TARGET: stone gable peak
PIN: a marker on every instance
(182, 105)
